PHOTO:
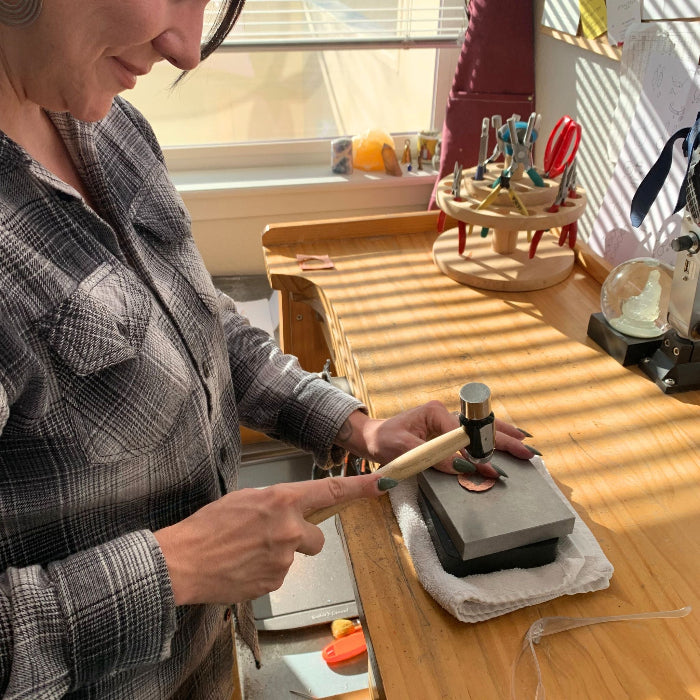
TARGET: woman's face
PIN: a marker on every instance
(79, 54)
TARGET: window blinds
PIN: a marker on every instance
(284, 25)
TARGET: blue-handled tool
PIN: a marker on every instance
(519, 139)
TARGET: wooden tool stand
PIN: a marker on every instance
(499, 260)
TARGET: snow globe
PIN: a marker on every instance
(634, 297)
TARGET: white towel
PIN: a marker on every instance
(580, 565)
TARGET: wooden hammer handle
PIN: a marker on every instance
(408, 464)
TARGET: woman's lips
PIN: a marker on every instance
(128, 73)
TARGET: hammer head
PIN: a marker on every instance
(478, 420)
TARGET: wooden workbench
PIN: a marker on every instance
(625, 454)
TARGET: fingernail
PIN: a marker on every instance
(463, 466)
(524, 432)
(499, 470)
(534, 450)
(386, 483)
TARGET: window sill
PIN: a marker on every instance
(208, 182)
(211, 194)
(230, 208)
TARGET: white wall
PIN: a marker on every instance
(584, 85)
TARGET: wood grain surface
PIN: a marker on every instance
(625, 455)
(482, 266)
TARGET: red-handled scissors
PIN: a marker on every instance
(561, 146)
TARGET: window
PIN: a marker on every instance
(312, 69)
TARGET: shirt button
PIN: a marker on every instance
(123, 330)
(206, 369)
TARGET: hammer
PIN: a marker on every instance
(476, 432)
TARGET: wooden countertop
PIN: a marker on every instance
(625, 455)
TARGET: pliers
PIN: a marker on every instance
(521, 151)
(503, 183)
(496, 123)
(456, 195)
(567, 184)
(456, 185)
(572, 182)
(483, 146)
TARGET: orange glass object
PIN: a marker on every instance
(367, 150)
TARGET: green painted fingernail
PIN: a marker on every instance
(534, 450)
(463, 466)
(499, 470)
(386, 483)
(524, 432)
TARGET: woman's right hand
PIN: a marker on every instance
(241, 546)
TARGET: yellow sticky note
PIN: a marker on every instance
(594, 18)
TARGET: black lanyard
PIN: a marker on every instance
(651, 185)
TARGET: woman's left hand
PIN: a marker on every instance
(384, 440)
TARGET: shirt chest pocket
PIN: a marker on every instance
(122, 379)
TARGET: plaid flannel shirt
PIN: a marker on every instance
(123, 378)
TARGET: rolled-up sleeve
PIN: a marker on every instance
(98, 612)
(276, 396)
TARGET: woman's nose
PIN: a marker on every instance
(180, 43)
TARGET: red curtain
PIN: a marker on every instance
(495, 75)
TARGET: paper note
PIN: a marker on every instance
(641, 41)
(670, 9)
(594, 18)
(669, 99)
(622, 14)
(315, 262)
(562, 15)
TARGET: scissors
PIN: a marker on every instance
(561, 147)
(569, 232)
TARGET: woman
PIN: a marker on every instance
(124, 376)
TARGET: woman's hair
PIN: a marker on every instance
(228, 14)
